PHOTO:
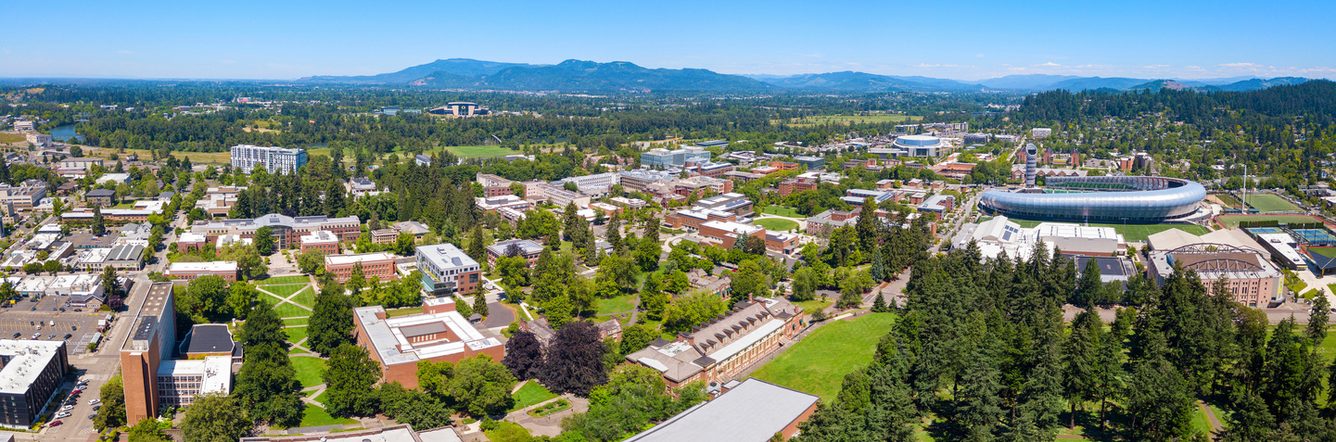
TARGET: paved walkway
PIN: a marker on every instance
(549, 425)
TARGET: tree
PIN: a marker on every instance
(574, 362)
(1089, 286)
(148, 430)
(311, 262)
(114, 293)
(1080, 360)
(249, 262)
(480, 304)
(99, 224)
(614, 234)
(477, 248)
(524, 355)
(264, 240)
(267, 386)
(350, 375)
(112, 413)
(262, 327)
(619, 270)
(866, 226)
(685, 312)
(514, 271)
(1159, 402)
(633, 397)
(852, 288)
(240, 298)
(637, 337)
(749, 281)
(481, 387)
(653, 301)
(538, 223)
(205, 300)
(1318, 317)
(413, 407)
(804, 284)
(215, 418)
(331, 323)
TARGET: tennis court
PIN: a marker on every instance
(1320, 237)
(1265, 230)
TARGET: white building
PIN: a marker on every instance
(1040, 133)
(180, 380)
(273, 159)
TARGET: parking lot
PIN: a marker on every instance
(43, 320)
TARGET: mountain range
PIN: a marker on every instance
(624, 77)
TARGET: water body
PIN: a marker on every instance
(66, 132)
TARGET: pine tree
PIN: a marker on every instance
(879, 304)
(614, 235)
(1317, 319)
(1080, 359)
(480, 304)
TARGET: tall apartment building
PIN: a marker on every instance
(273, 159)
(30, 374)
(446, 269)
(149, 344)
(286, 229)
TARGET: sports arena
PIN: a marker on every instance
(1110, 199)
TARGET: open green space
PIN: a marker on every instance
(283, 290)
(305, 297)
(1265, 203)
(293, 322)
(606, 307)
(551, 408)
(1329, 252)
(309, 370)
(782, 211)
(530, 393)
(777, 224)
(846, 120)
(1233, 221)
(11, 138)
(815, 305)
(403, 311)
(1228, 200)
(507, 431)
(314, 416)
(467, 152)
(295, 334)
(286, 310)
(818, 363)
(290, 279)
(1130, 232)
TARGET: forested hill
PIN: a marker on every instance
(1313, 100)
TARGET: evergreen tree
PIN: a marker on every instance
(614, 234)
(1318, 317)
(331, 323)
(480, 304)
(99, 224)
(1081, 361)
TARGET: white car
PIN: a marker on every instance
(94, 401)
(67, 408)
(62, 415)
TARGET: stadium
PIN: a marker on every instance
(1115, 199)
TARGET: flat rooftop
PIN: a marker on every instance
(752, 411)
(390, 336)
(24, 361)
(215, 372)
(353, 259)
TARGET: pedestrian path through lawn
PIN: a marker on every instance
(293, 298)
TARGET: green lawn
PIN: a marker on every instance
(295, 334)
(1265, 202)
(1130, 232)
(814, 305)
(508, 432)
(818, 363)
(293, 322)
(315, 416)
(777, 224)
(12, 138)
(1233, 221)
(1228, 200)
(605, 307)
(309, 370)
(404, 311)
(283, 290)
(290, 279)
(1329, 252)
(782, 211)
(479, 151)
(531, 393)
(305, 297)
(287, 310)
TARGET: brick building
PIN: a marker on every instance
(439, 334)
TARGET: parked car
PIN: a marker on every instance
(67, 336)
(67, 408)
(17, 334)
(94, 402)
(54, 423)
(63, 414)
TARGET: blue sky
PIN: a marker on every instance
(281, 39)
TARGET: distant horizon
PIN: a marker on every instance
(964, 41)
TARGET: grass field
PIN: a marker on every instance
(1232, 221)
(305, 297)
(1130, 232)
(309, 370)
(606, 307)
(531, 393)
(818, 363)
(846, 120)
(286, 310)
(1266, 203)
(291, 279)
(224, 157)
(777, 224)
(284, 290)
(295, 334)
(782, 211)
(11, 138)
(314, 416)
(293, 322)
(507, 431)
(1228, 200)
(467, 152)
(1329, 252)
(814, 305)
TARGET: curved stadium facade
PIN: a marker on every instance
(1120, 199)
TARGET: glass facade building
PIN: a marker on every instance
(1114, 199)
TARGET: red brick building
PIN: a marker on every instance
(439, 334)
(378, 265)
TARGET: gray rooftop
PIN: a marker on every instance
(210, 338)
(24, 361)
(526, 247)
(753, 411)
